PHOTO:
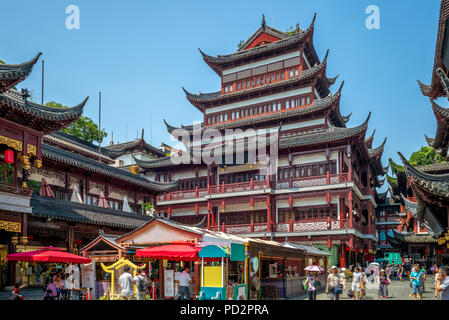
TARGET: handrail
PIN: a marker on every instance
(9, 188)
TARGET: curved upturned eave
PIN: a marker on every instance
(415, 173)
(200, 99)
(12, 74)
(377, 151)
(330, 135)
(318, 105)
(220, 60)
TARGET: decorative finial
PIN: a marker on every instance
(25, 94)
(263, 21)
(297, 27)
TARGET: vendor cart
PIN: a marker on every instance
(217, 283)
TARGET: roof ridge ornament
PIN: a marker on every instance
(444, 80)
(263, 22)
(25, 94)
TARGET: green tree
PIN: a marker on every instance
(423, 157)
(1, 62)
(241, 42)
(84, 128)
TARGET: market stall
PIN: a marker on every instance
(174, 257)
(115, 270)
(223, 272)
(51, 255)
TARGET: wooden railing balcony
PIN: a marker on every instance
(302, 182)
(9, 188)
(291, 226)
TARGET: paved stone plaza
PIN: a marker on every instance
(396, 291)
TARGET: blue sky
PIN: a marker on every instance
(140, 53)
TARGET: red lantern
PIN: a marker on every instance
(9, 156)
(30, 238)
(290, 201)
(356, 250)
(78, 241)
(365, 250)
(197, 208)
(169, 211)
(347, 248)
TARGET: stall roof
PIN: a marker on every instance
(309, 249)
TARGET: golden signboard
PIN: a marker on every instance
(15, 144)
(31, 150)
(10, 226)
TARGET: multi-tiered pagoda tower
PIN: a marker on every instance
(323, 192)
(425, 189)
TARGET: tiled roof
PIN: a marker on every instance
(78, 212)
(217, 96)
(441, 140)
(331, 101)
(75, 160)
(414, 238)
(285, 43)
(331, 134)
(121, 148)
(12, 74)
(435, 168)
(435, 89)
(52, 119)
(77, 144)
(377, 151)
(432, 183)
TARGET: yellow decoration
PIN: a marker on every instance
(24, 240)
(24, 159)
(14, 239)
(15, 144)
(252, 208)
(24, 184)
(212, 277)
(10, 226)
(117, 265)
(31, 150)
(38, 163)
(134, 169)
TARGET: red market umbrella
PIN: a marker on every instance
(102, 202)
(45, 190)
(47, 254)
(176, 252)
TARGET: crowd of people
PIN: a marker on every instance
(356, 279)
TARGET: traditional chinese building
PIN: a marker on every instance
(424, 189)
(323, 191)
(56, 189)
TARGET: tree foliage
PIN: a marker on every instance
(1, 62)
(423, 157)
(84, 128)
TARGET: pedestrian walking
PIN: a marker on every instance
(401, 273)
(423, 279)
(384, 281)
(415, 278)
(141, 285)
(126, 284)
(310, 282)
(335, 284)
(444, 286)
(356, 283)
(438, 277)
(183, 280)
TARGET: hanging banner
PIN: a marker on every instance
(88, 278)
(169, 283)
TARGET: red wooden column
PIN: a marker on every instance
(350, 208)
(342, 255)
(197, 277)
(268, 213)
